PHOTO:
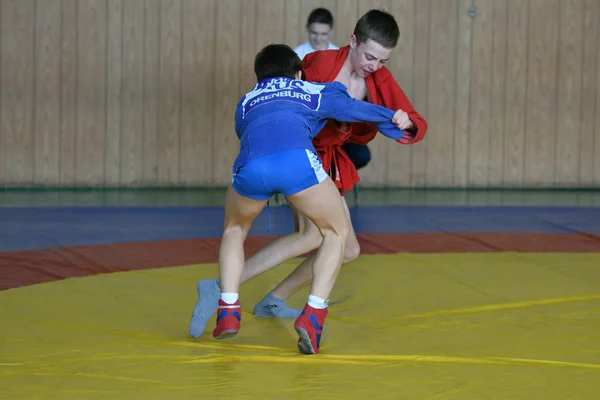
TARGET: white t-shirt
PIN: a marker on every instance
(306, 48)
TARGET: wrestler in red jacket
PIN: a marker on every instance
(382, 89)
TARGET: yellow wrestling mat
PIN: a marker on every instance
(504, 326)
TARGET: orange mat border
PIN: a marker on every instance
(22, 268)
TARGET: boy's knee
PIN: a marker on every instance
(311, 236)
(351, 252)
(235, 229)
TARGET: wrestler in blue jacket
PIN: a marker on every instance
(278, 119)
(282, 113)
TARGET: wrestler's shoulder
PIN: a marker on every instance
(335, 87)
(318, 56)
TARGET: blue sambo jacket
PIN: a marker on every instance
(283, 113)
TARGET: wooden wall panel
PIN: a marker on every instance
(589, 82)
(399, 158)
(570, 65)
(459, 162)
(131, 149)
(249, 46)
(17, 140)
(422, 44)
(143, 92)
(91, 106)
(542, 87)
(345, 15)
(68, 95)
(169, 101)
(226, 89)
(114, 95)
(150, 148)
(498, 91)
(441, 89)
(480, 122)
(46, 157)
(596, 156)
(197, 106)
(515, 113)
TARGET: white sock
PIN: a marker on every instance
(230, 298)
(317, 302)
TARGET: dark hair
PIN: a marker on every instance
(379, 26)
(320, 16)
(276, 60)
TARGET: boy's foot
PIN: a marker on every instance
(272, 307)
(309, 327)
(206, 306)
(228, 320)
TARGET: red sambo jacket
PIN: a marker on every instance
(382, 89)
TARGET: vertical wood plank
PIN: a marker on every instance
(47, 93)
(114, 81)
(566, 169)
(441, 92)
(293, 32)
(169, 112)
(132, 134)
(249, 46)
(17, 76)
(68, 91)
(462, 115)
(481, 95)
(346, 16)
(420, 101)
(227, 93)
(270, 19)
(516, 92)
(498, 95)
(150, 148)
(542, 86)
(197, 102)
(399, 157)
(91, 93)
(596, 179)
(589, 78)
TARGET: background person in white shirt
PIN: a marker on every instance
(319, 26)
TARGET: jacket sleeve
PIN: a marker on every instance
(238, 118)
(339, 105)
(393, 97)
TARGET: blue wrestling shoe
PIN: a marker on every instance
(209, 293)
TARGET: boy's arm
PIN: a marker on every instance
(339, 105)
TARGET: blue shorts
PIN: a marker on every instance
(286, 171)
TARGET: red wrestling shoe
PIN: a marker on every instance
(309, 326)
(228, 320)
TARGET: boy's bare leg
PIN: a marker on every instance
(240, 212)
(323, 206)
(282, 249)
(273, 304)
(306, 238)
(328, 214)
